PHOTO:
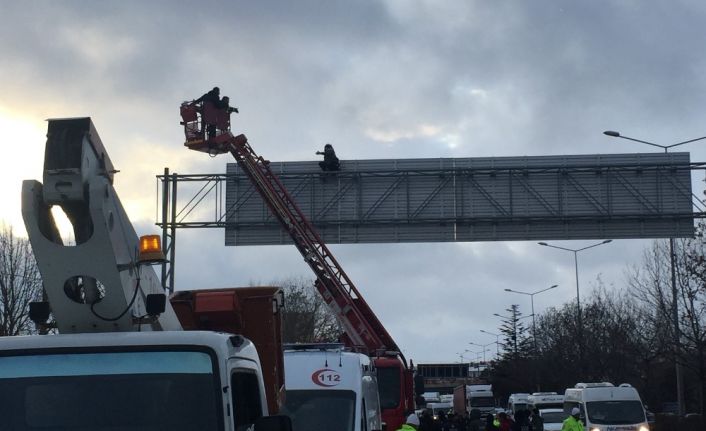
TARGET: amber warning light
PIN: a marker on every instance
(150, 249)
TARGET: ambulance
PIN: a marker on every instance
(330, 388)
(605, 407)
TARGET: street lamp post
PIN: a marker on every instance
(531, 295)
(497, 340)
(478, 354)
(579, 321)
(666, 148)
(483, 346)
(675, 307)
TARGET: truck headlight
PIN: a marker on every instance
(644, 428)
(598, 429)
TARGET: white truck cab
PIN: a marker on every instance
(123, 361)
(330, 388)
(176, 380)
(606, 407)
(480, 397)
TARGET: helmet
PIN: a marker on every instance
(412, 419)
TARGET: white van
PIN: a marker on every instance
(517, 402)
(604, 406)
(545, 400)
(330, 388)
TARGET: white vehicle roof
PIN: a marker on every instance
(545, 398)
(519, 397)
(334, 369)
(431, 396)
(227, 345)
(479, 391)
(479, 388)
(541, 411)
(598, 393)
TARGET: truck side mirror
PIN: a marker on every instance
(156, 304)
(273, 423)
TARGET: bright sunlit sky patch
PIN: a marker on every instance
(377, 79)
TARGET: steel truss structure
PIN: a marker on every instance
(432, 200)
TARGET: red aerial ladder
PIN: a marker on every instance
(363, 330)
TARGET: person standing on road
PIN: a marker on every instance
(573, 423)
(536, 420)
(474, 421)
(505, 422)
(426, 421)
(411, 424)
(522, 422)
(490, 424)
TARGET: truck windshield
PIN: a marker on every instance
(519, 406)
(482, 402)
(316, 410)
(389, 387)
(129, 391)
(554, 417)
(615, 412)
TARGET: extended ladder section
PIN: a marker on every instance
(362, 326)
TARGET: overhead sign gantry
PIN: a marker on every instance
(474, 199)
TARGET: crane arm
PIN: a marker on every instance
(362, 327)
(95, 285)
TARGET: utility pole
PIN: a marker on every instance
(672, 264)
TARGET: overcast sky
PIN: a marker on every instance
(377, 79)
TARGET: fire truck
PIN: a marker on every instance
(363, 330)
(122, 359)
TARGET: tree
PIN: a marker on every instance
(651, 286)
(306, 318)
(20, 283)
(517, 343)
(513, 371)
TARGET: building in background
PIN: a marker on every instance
(443, 378)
